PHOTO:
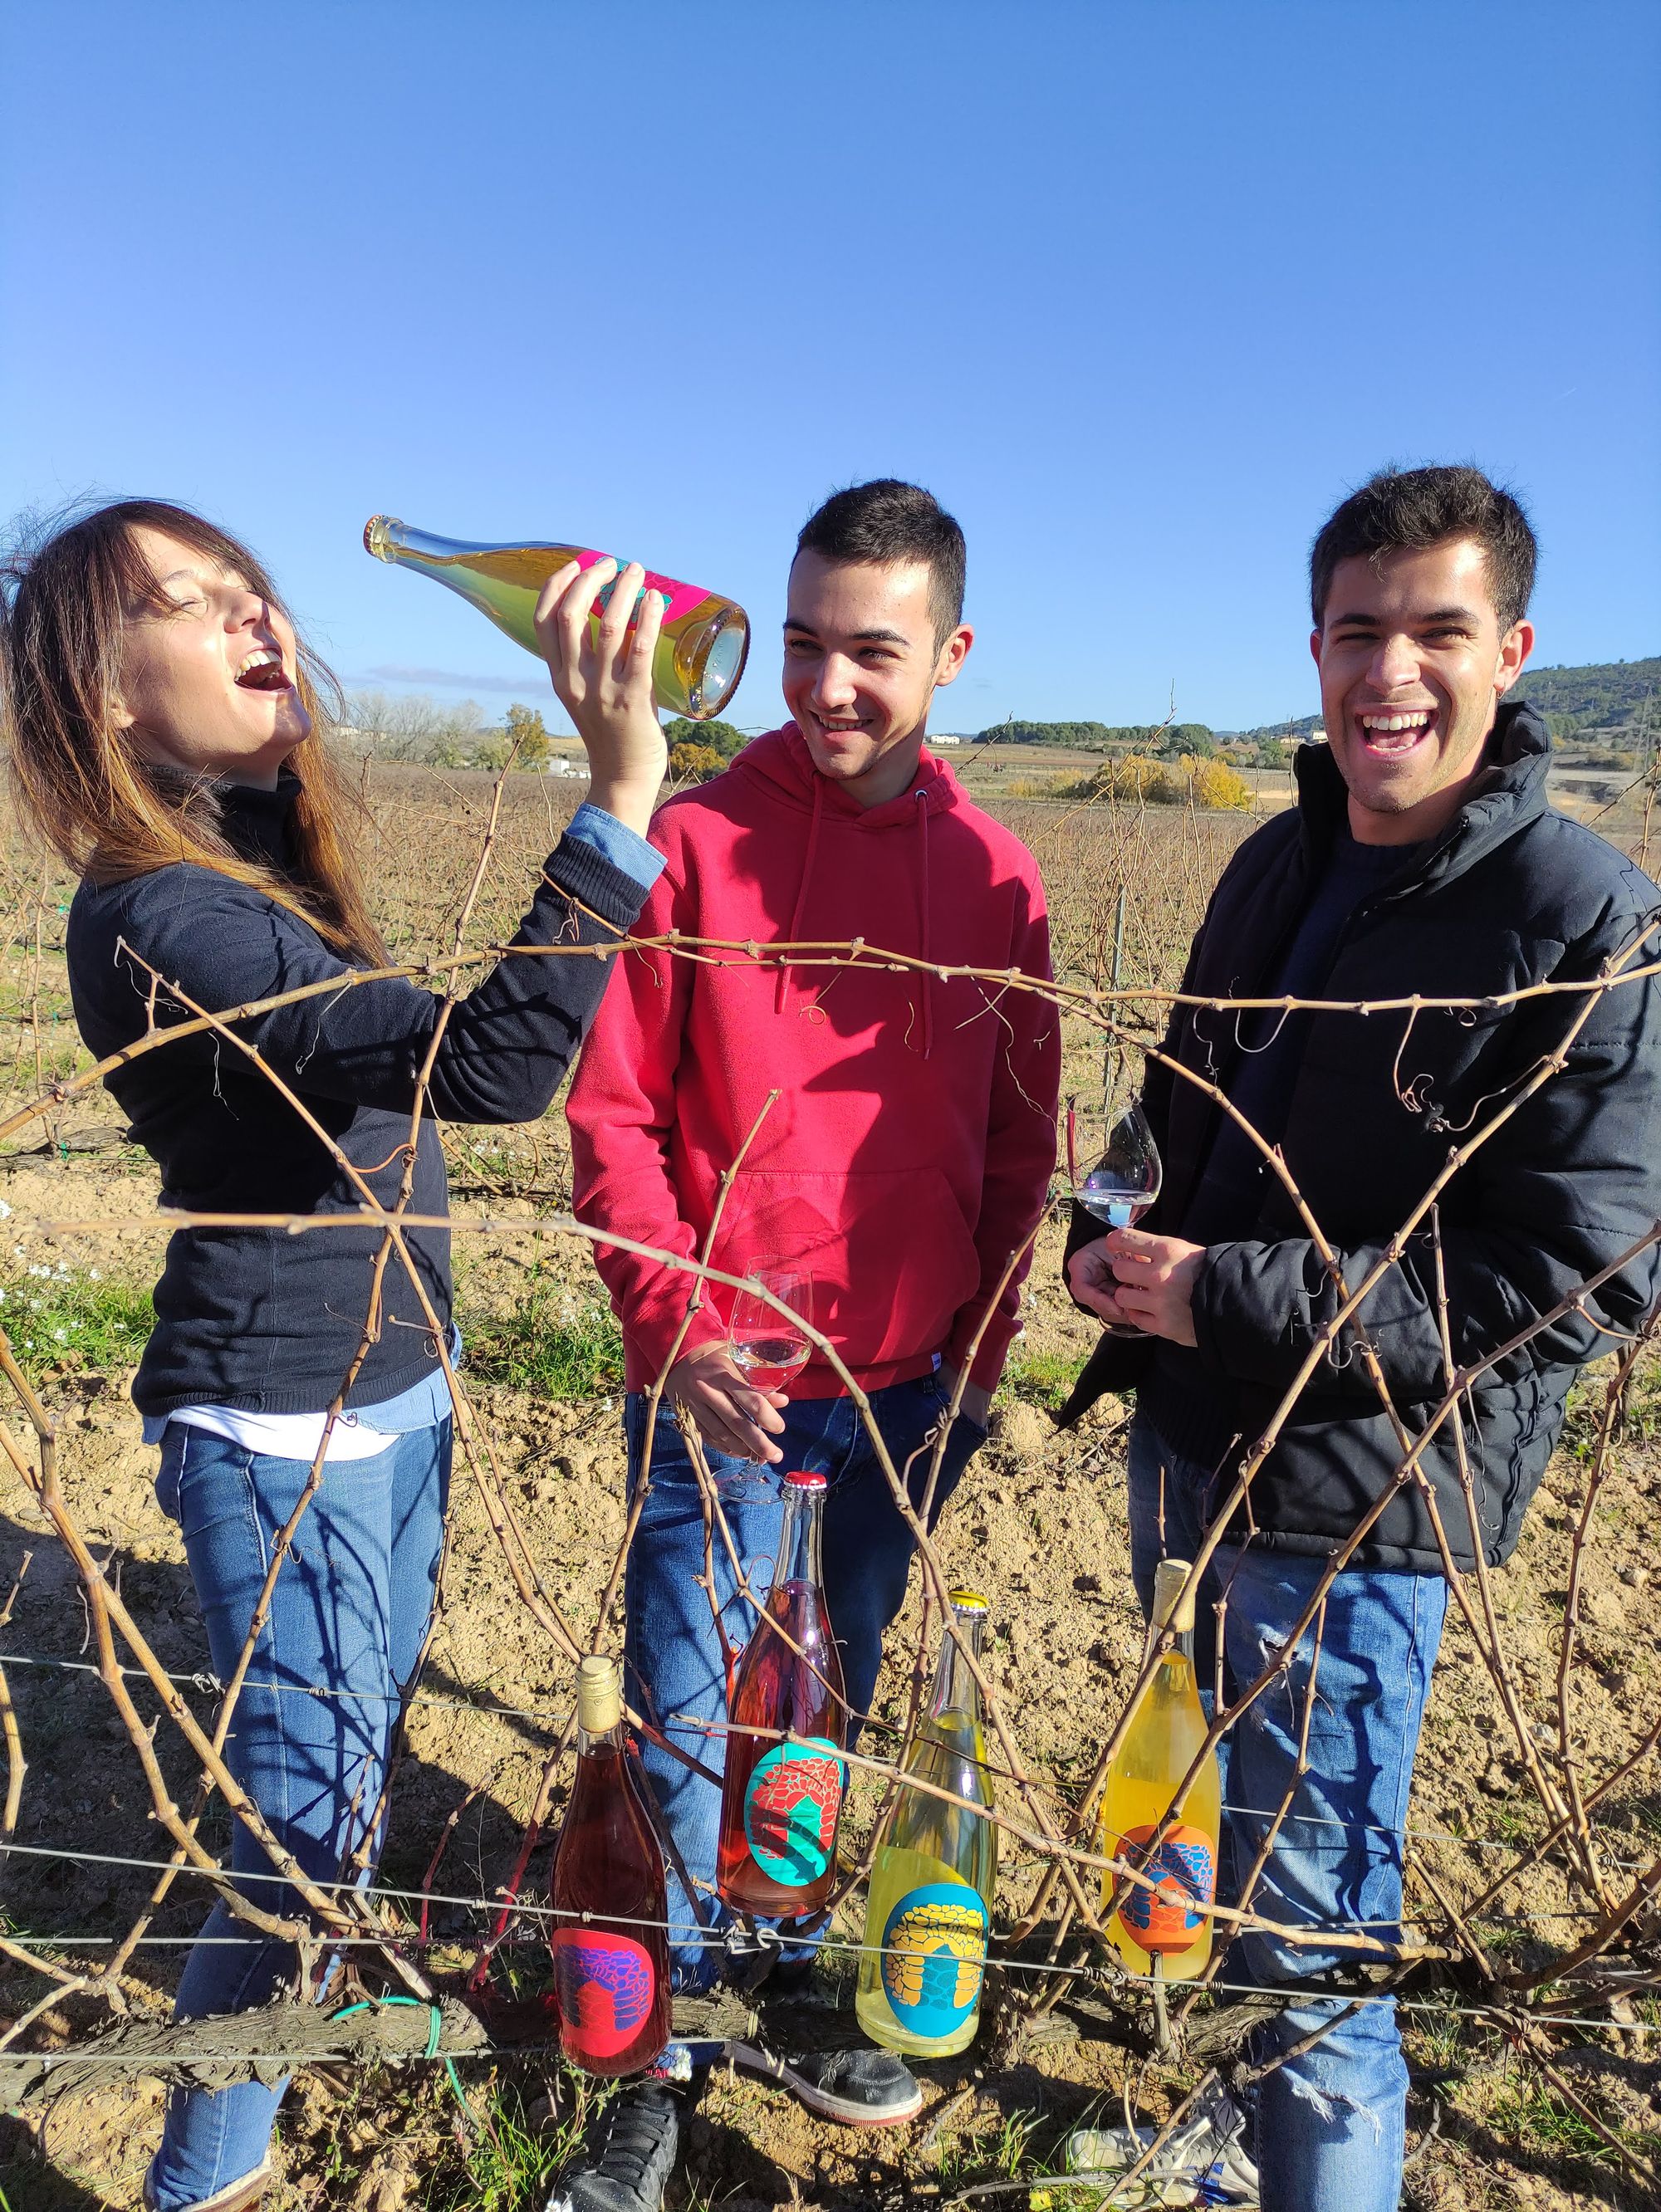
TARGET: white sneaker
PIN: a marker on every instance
(1204, 2161)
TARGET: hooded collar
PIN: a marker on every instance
(1509, 793)
(782, 761)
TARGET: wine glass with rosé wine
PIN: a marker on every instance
(770, 1346)
(1113, 1166)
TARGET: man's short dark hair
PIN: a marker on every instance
(1430, 507)
(889, 522)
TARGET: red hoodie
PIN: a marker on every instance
(909, 1151)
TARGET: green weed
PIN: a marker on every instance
(1043, 1379)
(59, 1320)
(510, 2165)
(552, 1340)
(1001, 2147)
(1534, 2116)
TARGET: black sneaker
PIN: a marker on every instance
(863, 2088)
(626, 2163)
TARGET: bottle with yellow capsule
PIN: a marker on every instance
(935, 1871)
(1166, 1929)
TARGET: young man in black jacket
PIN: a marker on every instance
(1422, 857)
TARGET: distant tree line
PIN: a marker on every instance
(1175, 741)
(1608, 696)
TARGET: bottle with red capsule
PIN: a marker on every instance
(782, 1801)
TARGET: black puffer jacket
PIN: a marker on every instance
(1510, 894)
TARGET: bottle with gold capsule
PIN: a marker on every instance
(1165, 1930)
(610, 1959)
(705, 638)
(935, 1871)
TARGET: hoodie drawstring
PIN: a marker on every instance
(927, 980)
(801, 892)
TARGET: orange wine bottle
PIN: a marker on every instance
(611, 1952)
(1164, 1928)
(705, 638)
(781, 1802)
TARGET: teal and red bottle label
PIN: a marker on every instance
(933, 1953)
(605, 1983)
(1184, 1871)
(790, 1810)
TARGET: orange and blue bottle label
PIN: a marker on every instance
(1170, 1916)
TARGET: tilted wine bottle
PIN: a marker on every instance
(935, 1870)
(611, 1952)
(781, 1802)
(1163, 1923)
(705, 638)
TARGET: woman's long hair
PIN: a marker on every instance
(81, 780)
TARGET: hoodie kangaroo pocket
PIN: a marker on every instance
(892, 1256)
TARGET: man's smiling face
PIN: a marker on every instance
(861, 662)
(1413, 665)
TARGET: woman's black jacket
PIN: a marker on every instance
(1511, 893)
(260, 1318)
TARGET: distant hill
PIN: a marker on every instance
(1305, 728)
(1603, 695)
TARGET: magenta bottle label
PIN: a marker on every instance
(604, 1985)
(681, 597)
(934, 1950)
(790, 1810)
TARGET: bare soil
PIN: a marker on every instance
(1038, 1524)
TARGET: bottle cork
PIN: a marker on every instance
(1173, 1607)
(600, 1695)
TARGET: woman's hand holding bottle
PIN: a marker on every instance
(602, 673)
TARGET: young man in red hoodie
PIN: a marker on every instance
(906, 1159)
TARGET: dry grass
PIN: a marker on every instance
(1039, 1521)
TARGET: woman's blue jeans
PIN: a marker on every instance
(673, 1651)
(1331, 2124)
(348, 1617)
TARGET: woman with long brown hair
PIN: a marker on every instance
(163, 719)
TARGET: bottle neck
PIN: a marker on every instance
(956, 1690)
(389, 539)
(800, 1539)
(590, 1741)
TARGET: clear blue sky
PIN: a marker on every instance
(1138, 289)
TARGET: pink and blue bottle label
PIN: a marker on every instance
(605, 1985)
(679, 598)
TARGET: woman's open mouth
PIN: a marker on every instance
(263, 671)
(1388, 734)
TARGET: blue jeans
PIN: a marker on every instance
(349, 1615)
(672, 1652)
(1331, 2124)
